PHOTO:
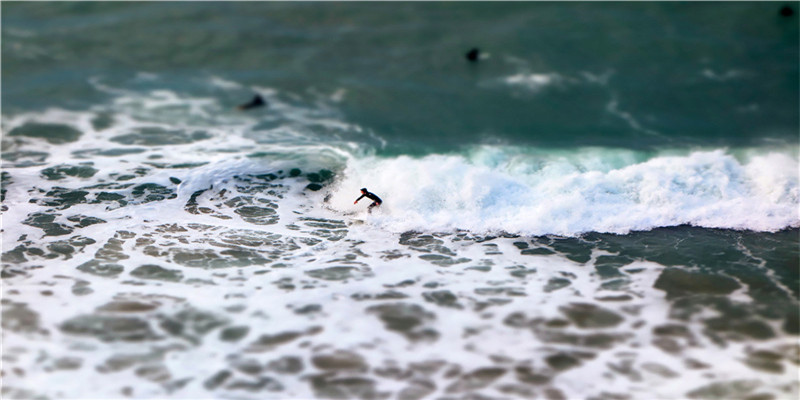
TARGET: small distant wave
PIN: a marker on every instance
(533, 82)
(724, 76)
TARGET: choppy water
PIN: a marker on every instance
(594, 210)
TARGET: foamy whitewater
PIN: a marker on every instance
(588, 210)
(201, 264)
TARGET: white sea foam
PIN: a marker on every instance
(533, 81)
(486, 188)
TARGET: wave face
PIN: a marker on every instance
(589, 190)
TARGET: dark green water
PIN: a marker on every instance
(689, 74)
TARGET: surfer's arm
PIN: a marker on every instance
(359, 198)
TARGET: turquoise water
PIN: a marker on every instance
(603, 206)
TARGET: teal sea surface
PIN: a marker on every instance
(602, 203)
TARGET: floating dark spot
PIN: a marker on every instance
(25, 158)
(256, 102)
(261, 384)
(340, 361)
(64, 198)
(499, 291)
(127, 306)
(329, 387)
(659, 369)
(443, 298)
(249, 366)
(528, 375)
(234, 333)
(591, 316)
(109, 328)
(62, 171)
(752, 328)
(81, 288)
(257, 215)
(765, 360)
(5, 180)
(61, 247)
(443, 261)
(539, 251)
(67, 363)
(102, 121)
(149, 192)
(84, 221)
(217, 379)
(52, 133)
(268, 342)
(417, 389)
(17, 317)
(562, 361)
(574, 249)
(473, 54)
(332, 273)
(95, 267)
(286, 365)
(153, 373)
(308, 309)
(45, 222)
(622, 297)
(556, 283)
(521, 245)
(786, 11)
(677, 282)
(478, 379)
(725, 390)
(388, 295)
(155, 272)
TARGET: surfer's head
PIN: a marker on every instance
(363, 190)
(473, 54)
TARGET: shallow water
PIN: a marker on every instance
(635, 245)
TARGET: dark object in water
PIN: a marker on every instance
(257, 101)
(787, 11)
(376, 201)
(473, 54)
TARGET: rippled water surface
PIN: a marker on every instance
(593, 210)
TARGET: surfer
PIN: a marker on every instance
(473, 54)
(376, 201)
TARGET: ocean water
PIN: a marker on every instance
(603, 206)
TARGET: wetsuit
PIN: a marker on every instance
(376, 201)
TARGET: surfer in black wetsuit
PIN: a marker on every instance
(376, 201)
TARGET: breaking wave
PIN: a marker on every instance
(615, 191)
